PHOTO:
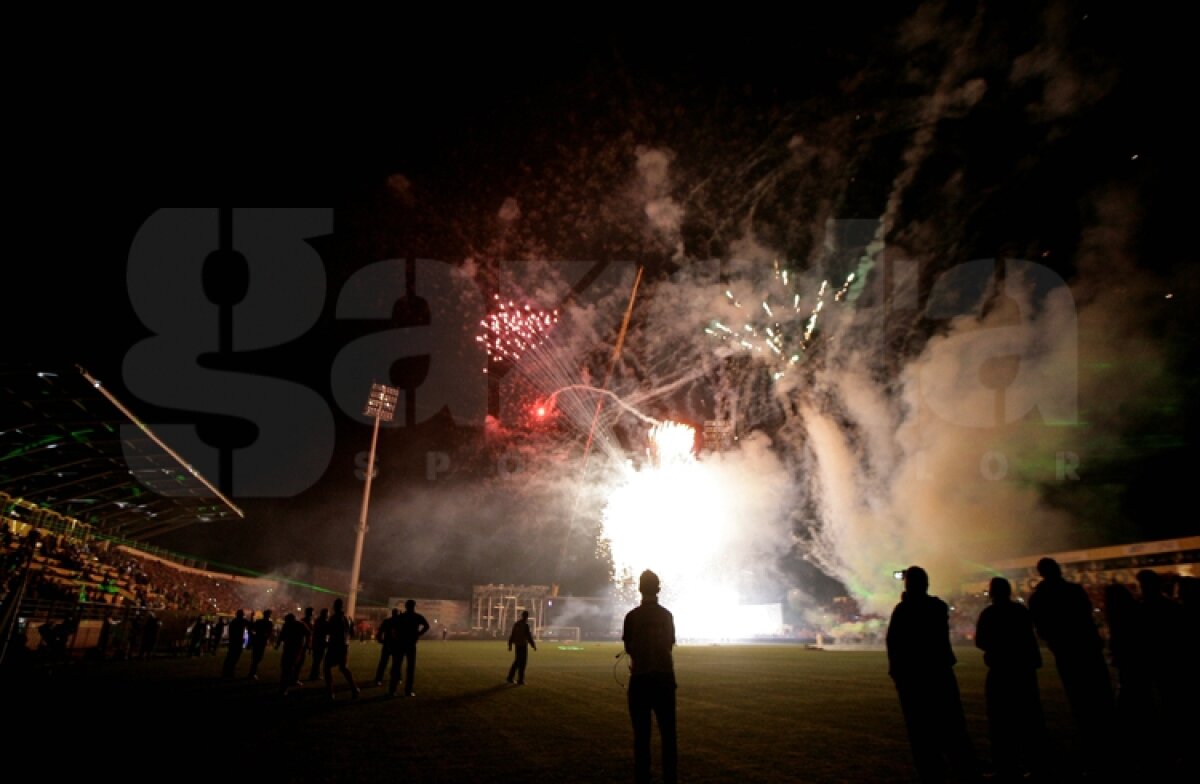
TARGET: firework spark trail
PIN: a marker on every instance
(878, 479)
(937, 106)
(607, 393)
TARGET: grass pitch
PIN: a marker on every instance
(746, 713)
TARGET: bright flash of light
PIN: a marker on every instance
(672, 443)
(676, 516)
(512, 330)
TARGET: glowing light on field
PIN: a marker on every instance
(675, 515)
(513, 330)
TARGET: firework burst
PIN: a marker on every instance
(780, 327)
(512, 330)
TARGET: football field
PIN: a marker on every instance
(746, 713)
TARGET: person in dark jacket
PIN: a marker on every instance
(388, 638)
(320, 640)
(409, 626)
(1016, 726)
(649, 636)
(337, 651)
(921, 664)
(262, 633)
(1063, 616)
(237, 633)
(522, 637)
(294, 639)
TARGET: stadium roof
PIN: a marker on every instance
(69, 448)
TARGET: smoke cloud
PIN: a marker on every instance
(941, 408)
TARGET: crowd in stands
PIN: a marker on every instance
(59, 569)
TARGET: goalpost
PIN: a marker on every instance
(563, 634)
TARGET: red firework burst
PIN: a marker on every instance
(513, 330)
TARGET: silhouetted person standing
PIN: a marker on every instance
(1062, 614)
(409, 625)
(262, 632)
(293, 637)
(307, 622)
(237, 633)
(1189, 600)
(522, 637)
(320, 641)
(1165, 626)
(1128, 650)
(149, 635)
(649, 636)
(199, 634)
(218, 631)
(921, 663)
(1014, 708)
(387, 636)
(337, 650)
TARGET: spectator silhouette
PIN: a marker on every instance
(337, 649)
(1164, 635)
(149, 635)
(1016, 726)
(237, 633)
(293, 637)
(409, 626)
(214, 640)
(388, 637)
(1127, 647)
(649, 636)
(106, 634)
(1062, 615)
(199, 633)
(1189, 599)
(320, 641)
(521, 637)
(307, 621)
(261, 633)
(921, 664)
(54, 636)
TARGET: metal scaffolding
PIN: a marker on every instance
(494, 608)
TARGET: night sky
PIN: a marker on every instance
(1051, 135)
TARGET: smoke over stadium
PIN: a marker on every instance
(901, 332)
(906, 281)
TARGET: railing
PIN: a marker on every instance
(105, 629)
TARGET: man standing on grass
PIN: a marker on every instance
(320, 640)
(649, 636)
(921, 664)
(521, 637)
(387, 636)
(262, 632)
(409, 626)
(237, 634)
(337, 649)
(1064, 617)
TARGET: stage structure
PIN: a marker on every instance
(494, 608)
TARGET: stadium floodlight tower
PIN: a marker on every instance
(381, 406)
